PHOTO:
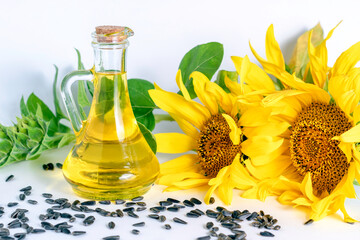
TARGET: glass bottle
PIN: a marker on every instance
(110, 159)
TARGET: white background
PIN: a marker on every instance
(37, 34)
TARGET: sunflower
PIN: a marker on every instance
(213, 132)
(319, 151)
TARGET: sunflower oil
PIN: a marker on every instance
(111, 159)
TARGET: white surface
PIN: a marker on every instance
(31, 173)
(39, 33)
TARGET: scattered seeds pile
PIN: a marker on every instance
(85, 212)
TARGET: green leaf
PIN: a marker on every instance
(80, 64)
(220, 79)
(5, 145)
(147, 120)
(149, 137)
(356, 183)
(83, 100)
(90, 87)
(34, 102)
(35, 134)
(66, 140)
(205, 58)
(58, 111)
(23, 108)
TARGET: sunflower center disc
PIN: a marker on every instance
(215, 148)
(312, 148)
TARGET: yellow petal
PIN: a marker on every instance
(301, 201)
(346, 61)
(306, 187)
(269, 129)
(175, 104)
(255, 77)
(261, 145)
(288, 197)
(187, 127)
(200, 84)
(179, 164)
(181, 86)
(170, 179)
(225, 191)
(351, 136)
(191, 183)
(348, 101)
(174, 143)
(256, 116)
(235, 133)
(273, 51)
(271, 170)
(356, 114)
(209, 193)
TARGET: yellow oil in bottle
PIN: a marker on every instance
(111, 159)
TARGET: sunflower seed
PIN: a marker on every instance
(20, 235)
(33, 202)
(142, 204)
(37, 230)
(240, 236)
(211, 213)
(22, 197)
(89, 220)
(310, 221)
(137, 199)
(105, 202)
(192, 215)
(212, 200)
(167, 226)
(173, 209)
(277, 227)
(132, 214)
(139, 209)
(266, 234)
(59, 165)
(154, 210)
(111, 225)
(119, 201)
(78, 233)
(45, 167)
(209, 225)
(198, 211)
(172, 200)
(65, 215)
(252, 216)
(135, 232)
(129, 209)
(188, 203)
(178, 220)
(79, 215)
(139, 224)
(162, 218)
(115, 237)
(88, 203)
(195, 201)
(129, 204)
(47, 195)
(65, 230)
(154, 216)
(9, 178)
(28, 188)
(119, 213)
(204, 238)
(165, 203)
(12, 204)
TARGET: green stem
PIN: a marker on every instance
(163, 117)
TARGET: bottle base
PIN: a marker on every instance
(101, 194)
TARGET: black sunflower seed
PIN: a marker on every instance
(28, 188)
(173, 209)
(78, 233)
(204, 238)
(167, 226)
(139, 224)
(119, 213)
(65, 230)
(195, 201)
(89, 220)
(115, 237)
(88, 203)
(137, 199)
(165, 203)
(162, 218)
(45, 167)
(310, 221)
(142, 204)
(65, 215)
(252, 216)
(119, 201)
(139, 209)
(192, 215)
(9, 178)
(135, 232)
(266, 234)
(12, 204)
(172, 200)
(111, 225)
(132, 214)
(79, 215)
(178, 220)
(20, 235)
(211, 213)
(129, 204)
(129, 209)
(154, 216)
(209, 225)
(212, 200)
(37, 230)
(277, 227)
(154, 210)
(188, 203)
(105, 202)
(22, 197)
(47, 195)
(33, 202)
(59, 165)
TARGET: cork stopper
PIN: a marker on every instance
(112, 34)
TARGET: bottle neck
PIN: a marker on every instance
(110, 57)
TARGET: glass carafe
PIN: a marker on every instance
(110, 159)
